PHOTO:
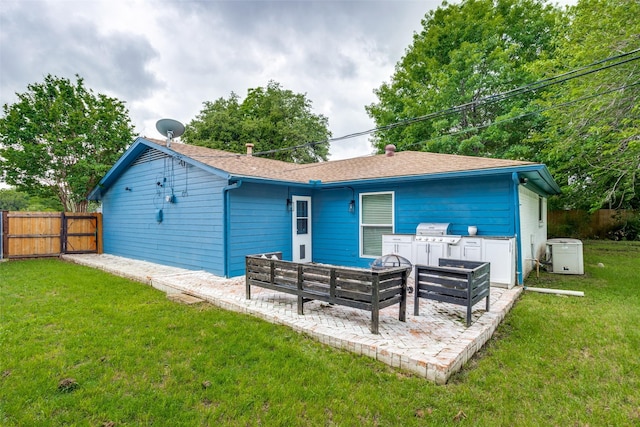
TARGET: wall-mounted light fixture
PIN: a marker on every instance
(289, 205)
(352, 203)
(523, 180)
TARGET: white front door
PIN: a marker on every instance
(301, 223)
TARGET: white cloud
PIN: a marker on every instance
(164, 59)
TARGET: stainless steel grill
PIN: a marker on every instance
(435, 232)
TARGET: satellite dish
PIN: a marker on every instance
(170, 128)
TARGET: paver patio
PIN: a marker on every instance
(433, 345)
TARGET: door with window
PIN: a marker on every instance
(301, 223)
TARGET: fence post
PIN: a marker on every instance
(63, 233)
(99, 246)
(3, 231)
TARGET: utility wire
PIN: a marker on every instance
(530, 113)
(501, 96)
(540, 84)
(531, 87)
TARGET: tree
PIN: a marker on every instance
(592, 147)
(271, 118)
(467, 53)
(12, 200)
(60, 138)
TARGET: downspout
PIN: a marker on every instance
(516, 208)
(226, 220)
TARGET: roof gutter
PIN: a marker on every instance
(227, 224)
(441, 175)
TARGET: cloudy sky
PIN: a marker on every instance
(165, 58)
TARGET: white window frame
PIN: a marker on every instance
(541, 211)
(361, 225)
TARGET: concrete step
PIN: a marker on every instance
(184, 298)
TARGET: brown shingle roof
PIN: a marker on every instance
(404, 163)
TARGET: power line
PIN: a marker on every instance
(621, 59)
(530, 113)
(540, 84)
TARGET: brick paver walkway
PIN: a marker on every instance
(433, 345)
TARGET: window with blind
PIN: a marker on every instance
(376, 219)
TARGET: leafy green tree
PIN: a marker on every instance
(46, 204)
(593, 147)
(466, 54)
(272, 118)
(60, 138)
(12, 200)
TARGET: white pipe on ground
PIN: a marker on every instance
(555, 291)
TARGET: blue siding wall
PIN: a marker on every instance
(191, 233)
(335, 229)
(260, 222)
(486, 202)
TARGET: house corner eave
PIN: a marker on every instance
(540, 181)
(138, 146)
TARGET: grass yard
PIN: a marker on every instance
(133, 358)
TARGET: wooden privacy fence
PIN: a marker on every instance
(584, 225)
(47, 234)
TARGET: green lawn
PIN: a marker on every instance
(139, 359)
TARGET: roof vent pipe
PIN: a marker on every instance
(390, 150)
(249, 149)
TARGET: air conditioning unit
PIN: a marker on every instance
(565, 256)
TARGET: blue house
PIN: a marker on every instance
(204, 209)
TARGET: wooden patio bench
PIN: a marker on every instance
(454, 281)
(352, 287)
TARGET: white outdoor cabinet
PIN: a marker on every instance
(455, 251)
(471, 249)
(500, 252)
(429, 253)
(398, 244)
